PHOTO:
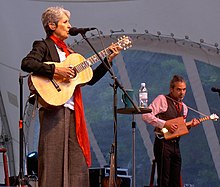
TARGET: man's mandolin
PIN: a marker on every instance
(183, 127)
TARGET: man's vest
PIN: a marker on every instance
(171, 113)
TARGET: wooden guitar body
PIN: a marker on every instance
(106, 182)
(181, 130)
(112, 180)
(50, 93)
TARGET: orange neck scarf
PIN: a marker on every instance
(81, 129)
(60, 44)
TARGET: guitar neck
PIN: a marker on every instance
(92, 60)
(124, 42)
(204, 119)
(200, 120)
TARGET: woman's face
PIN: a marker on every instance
(63, 27)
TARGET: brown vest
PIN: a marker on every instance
(171, 112)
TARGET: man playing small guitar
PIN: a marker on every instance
(165, 108)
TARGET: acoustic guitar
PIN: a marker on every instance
(183, 127)
(58, 90)
(111, 180)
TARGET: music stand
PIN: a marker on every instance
(133, 111)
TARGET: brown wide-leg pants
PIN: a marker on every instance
(61, 162)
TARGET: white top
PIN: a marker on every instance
(69, 104)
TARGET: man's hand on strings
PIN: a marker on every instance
(194, 122)
(170, 126)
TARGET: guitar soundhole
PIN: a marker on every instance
(75, 77)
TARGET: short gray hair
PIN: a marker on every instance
(53, 15)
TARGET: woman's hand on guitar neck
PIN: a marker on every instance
(115, 49)
(66, 72)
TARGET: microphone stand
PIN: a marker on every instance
(21, 179)
(115, 86)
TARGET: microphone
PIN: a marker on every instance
(215, 89)
(74, 31)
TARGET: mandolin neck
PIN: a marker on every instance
(188, 124)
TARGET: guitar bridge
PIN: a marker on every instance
(55, 85)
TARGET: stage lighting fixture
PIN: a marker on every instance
(32, 163)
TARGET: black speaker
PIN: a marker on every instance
(126, 180)
(120, 171)
(95, 176)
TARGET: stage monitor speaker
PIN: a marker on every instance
(95, 176)
(126, 180)
(120, 171)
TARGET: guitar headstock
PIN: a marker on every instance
(125, 42)
(214, 117)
